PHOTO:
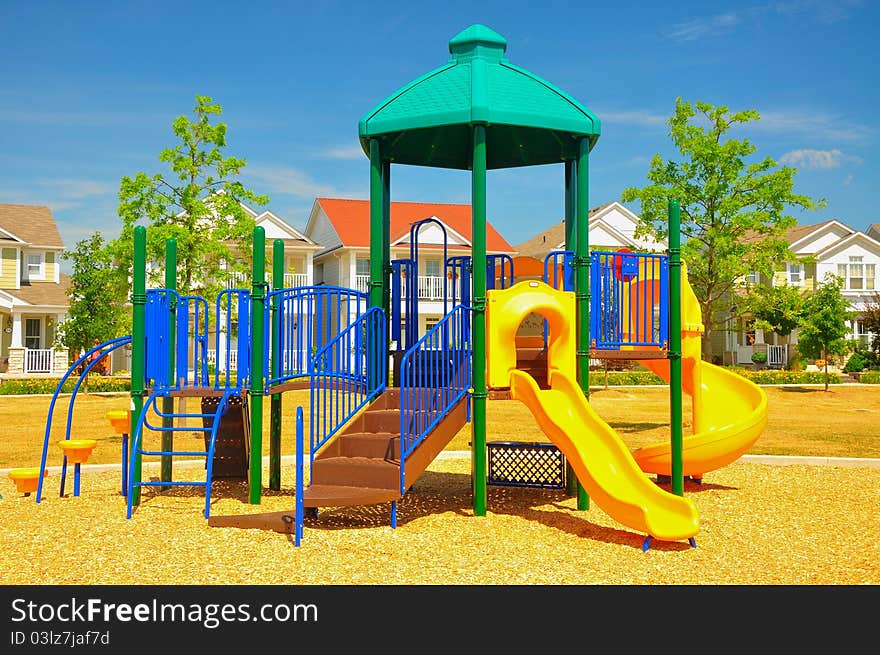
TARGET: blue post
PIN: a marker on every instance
(298, 530)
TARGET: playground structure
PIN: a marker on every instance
(385, 401)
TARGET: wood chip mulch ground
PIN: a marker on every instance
(759, 525)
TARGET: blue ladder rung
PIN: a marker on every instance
(177, 429)
(173, 453)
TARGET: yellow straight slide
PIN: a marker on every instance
(602, 461)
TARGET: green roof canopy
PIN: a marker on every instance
(528, 120)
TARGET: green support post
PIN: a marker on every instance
(275, 413)
(478, 330)
(258, 306)
(573, 486)
(582, 280)
(138, 333)
(674, 351)
(168, 403)
(386, 254)
(377, 214)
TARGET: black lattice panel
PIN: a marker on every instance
(521, 464)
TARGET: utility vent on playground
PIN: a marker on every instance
(522, 464)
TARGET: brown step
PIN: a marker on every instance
(356, 472)
(332, 495)
(383, 445)
(531, 354)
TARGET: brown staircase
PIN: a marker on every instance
(361, 466)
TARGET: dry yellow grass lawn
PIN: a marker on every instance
(759, 524)
(843, 422)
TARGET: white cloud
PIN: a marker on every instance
(848, 180)
(344, 152)
(285, 179)
(639, 117)
(74, 189)
(821, 159)
(812, 123)
(699, 28)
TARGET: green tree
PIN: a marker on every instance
(823, 329)
(97, 297)
(776, 309)
(196, 201)
(871, 323)
(733, 212)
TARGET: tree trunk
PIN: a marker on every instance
(825, 360)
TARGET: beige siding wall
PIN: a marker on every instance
(8, 278)
(810, 277)
(51, 263)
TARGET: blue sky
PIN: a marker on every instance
(89, 90)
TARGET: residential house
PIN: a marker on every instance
(299, 250)
(33, 291)
(611, 227)
(830, 247)
(342, 227)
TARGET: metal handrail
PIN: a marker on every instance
(345, 375)
(434, 375)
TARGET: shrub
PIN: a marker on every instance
(870, 377)
(624, 378)
(786, 377)
(48, 385)
(759, 357)
(855, 363)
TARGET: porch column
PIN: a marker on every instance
(16, 332)
(310, 269)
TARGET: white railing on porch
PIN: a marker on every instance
(430, 286)
(777, 355)
(243, 280)
(38, 360)
(233, 359)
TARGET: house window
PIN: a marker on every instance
(432, 267)
(36, 269)
(857, 275)
(430, 322)
(753, 277)
(33, 330)
(362, 266)
(794, 274)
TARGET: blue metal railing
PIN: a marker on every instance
(459, 267)
(102, 350)
(300, 490)
(404, 300)
(434, 375)
(504, 264)
(559, 269)
(306, 319)
(233, 314)
(629, 300)
(346, 374)
(192, 341)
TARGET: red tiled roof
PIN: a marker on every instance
(351, 219)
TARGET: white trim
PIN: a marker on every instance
(35, 253)
(821, 229)
(11, 235)
(284, 225)
(855, 236)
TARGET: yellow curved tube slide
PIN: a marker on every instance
(602, 462)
